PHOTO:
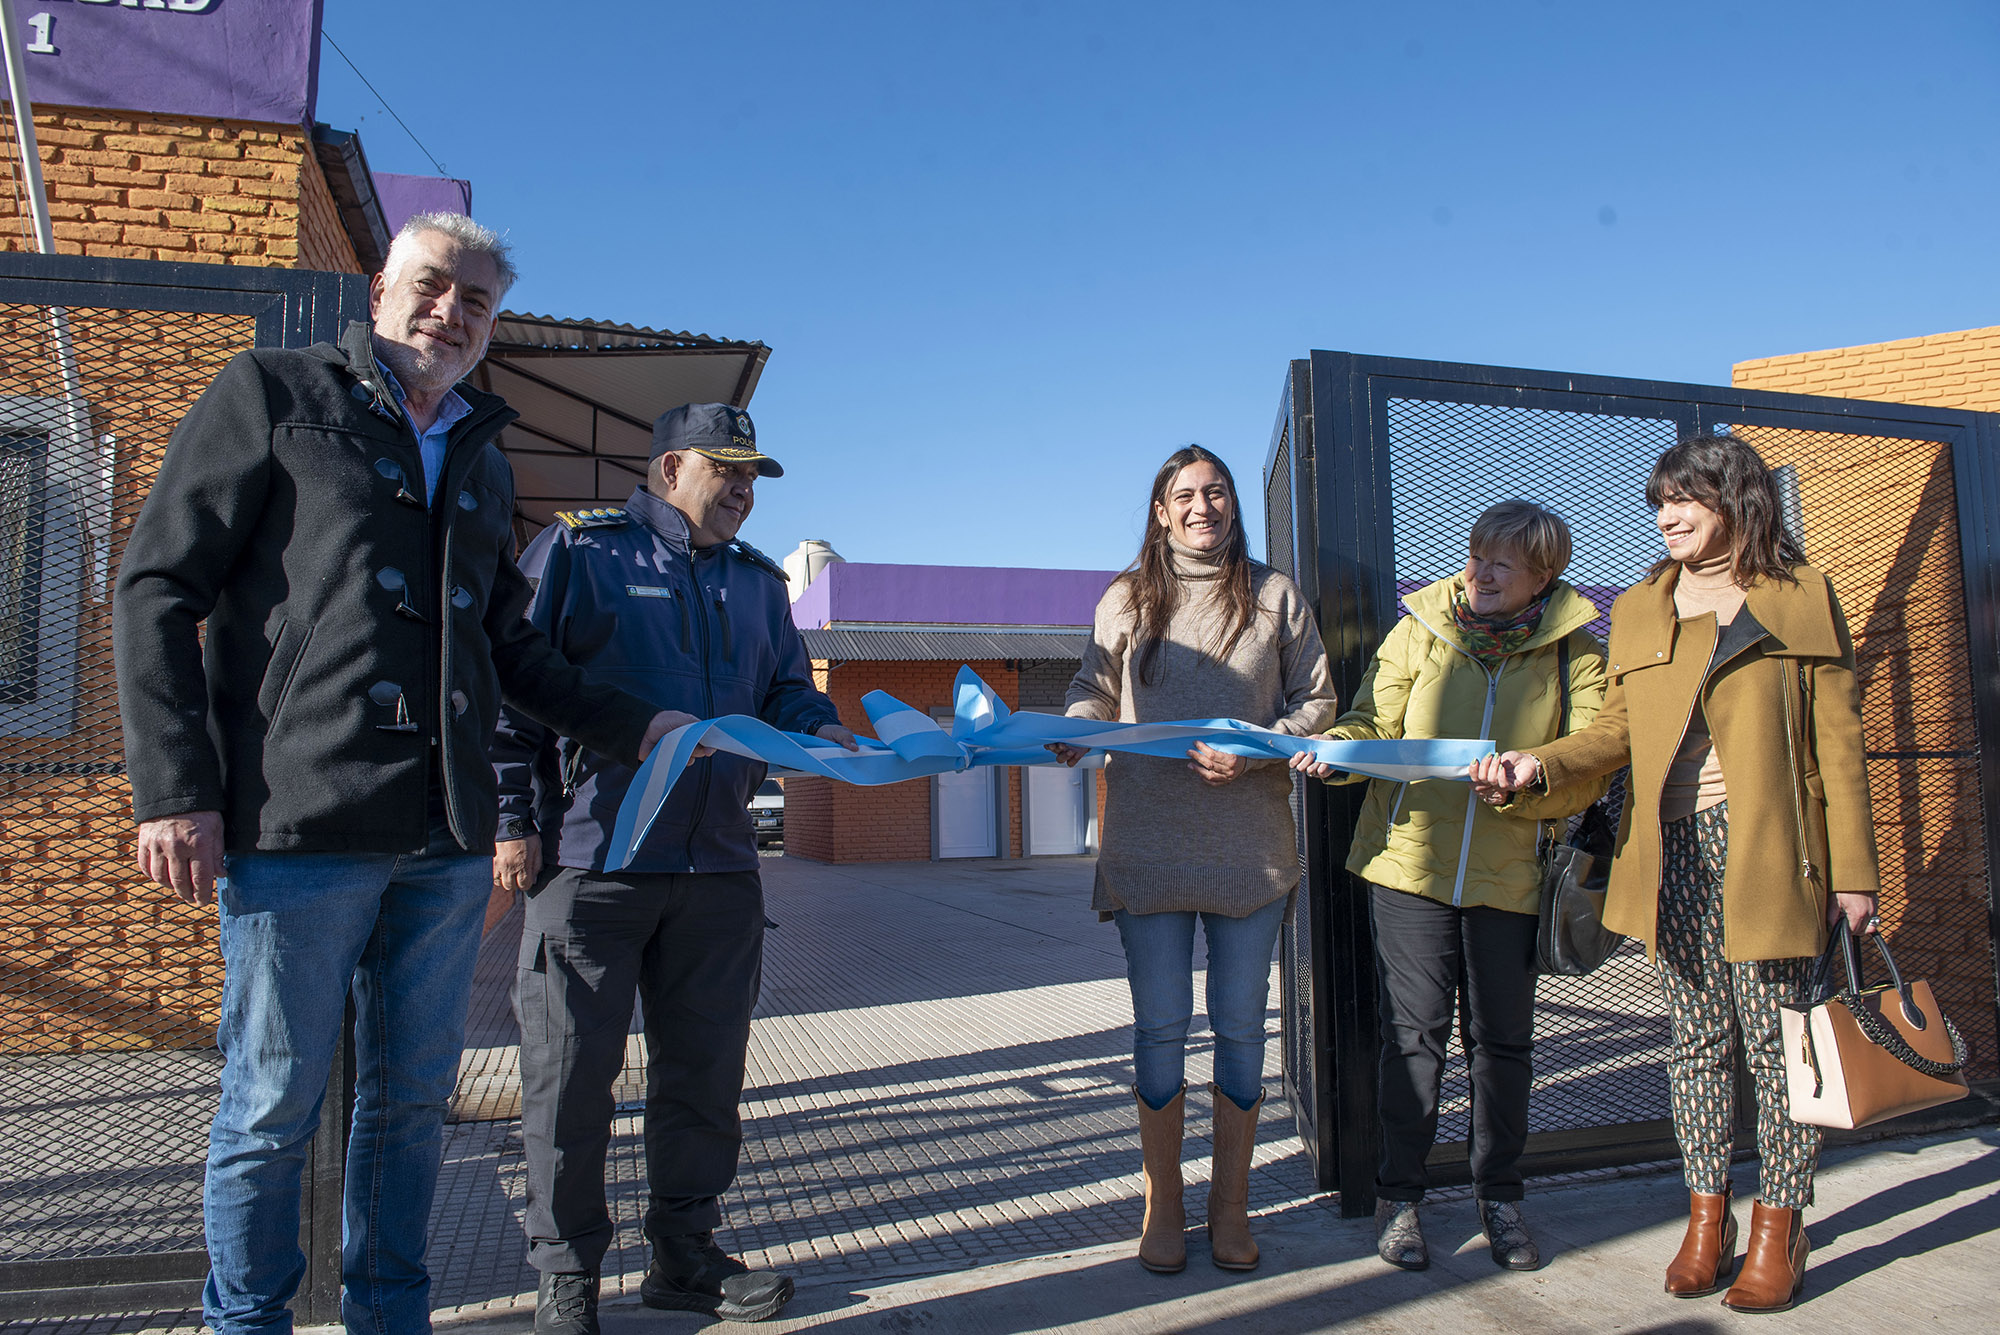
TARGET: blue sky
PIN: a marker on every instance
(1010, 256)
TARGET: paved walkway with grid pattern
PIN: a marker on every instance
(940, 1138)
(940, 1077)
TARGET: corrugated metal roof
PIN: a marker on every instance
(588, 391)
(934, 645)
(520, 331)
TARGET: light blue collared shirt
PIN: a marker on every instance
(431, 445)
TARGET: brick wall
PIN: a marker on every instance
(323, 242)
(131, 186)
(1955, 370)
(92, 957)
(829, 821)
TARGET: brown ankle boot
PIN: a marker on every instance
(1774, 1264)
(1708, 1252)
(1230, 1245)
(1163, 1243)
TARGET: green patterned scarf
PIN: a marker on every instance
(1490, 639)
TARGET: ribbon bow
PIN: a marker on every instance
(985, 732)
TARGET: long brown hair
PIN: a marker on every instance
(1155, 591)
(1726, 474)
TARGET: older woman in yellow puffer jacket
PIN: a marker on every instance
(1455, 883)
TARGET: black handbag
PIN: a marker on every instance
(1571, 939)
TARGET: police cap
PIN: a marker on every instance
(717, 430)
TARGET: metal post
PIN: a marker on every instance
(1356, 600)
(24, 130)
(88, 463)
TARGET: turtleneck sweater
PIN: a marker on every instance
(1695, 780)
(1170, 842)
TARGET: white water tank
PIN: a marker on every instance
(813, 555)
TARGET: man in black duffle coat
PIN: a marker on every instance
(661, 598)
(340, 520)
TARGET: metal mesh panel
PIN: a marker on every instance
(1880, 516)
(1600, 1041)
(108, 987)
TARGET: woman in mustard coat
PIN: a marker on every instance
(1454, 886)
(1746, 831)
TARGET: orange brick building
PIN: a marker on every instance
(125, 185)
(1955, 370)
(92, 957)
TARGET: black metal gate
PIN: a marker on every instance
(1378, 467)
(108, 986)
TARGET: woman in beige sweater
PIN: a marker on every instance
(1197, 629)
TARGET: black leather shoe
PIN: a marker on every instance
(1507, 1235)
(1399, 1235)
(566, 1303)
(691, 1274)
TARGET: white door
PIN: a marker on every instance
(1058, 809)
(966, 827)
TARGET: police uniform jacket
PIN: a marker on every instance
(708, 631)
(357, 639)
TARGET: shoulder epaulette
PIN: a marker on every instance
(761, 561)
(599, 518)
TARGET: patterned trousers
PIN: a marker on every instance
(1716, 1004)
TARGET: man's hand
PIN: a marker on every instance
(1216, 767)
(516, 863)
(663, 723)
(1066, 753)
(834, 732)
(184, 853)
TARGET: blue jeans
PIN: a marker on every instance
(298, 930)
(1159, 963)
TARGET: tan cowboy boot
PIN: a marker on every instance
(1774, 1264)
(1229, 1242)
(1163, 1242)
(1708, 1252)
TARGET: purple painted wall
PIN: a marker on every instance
(951, 595)
(252, 60)
(401, 196)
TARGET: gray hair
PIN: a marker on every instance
(468, 234)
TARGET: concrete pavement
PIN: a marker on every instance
(939, 1137)
(1904, 1240)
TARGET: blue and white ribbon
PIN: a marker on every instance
(985, 732)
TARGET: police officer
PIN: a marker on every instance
(660, 598)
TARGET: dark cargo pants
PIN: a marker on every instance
(692, 947)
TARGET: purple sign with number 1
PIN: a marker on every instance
(251, 60)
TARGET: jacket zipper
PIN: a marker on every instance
(1471, 796)
(1806, 868)
(700, 806)
(1485, 722)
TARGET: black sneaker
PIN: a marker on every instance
(566, 1303)
(691, 1274)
